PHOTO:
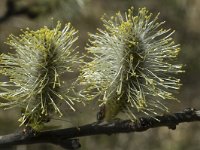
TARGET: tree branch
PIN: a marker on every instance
(12, 10)
(64, 137)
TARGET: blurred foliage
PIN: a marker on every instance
(181, 15)
(36, 8)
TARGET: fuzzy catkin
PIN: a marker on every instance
(35, 70)
(133, 66)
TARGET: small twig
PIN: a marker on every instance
(63, 136)
(13, 11)
(25, 136)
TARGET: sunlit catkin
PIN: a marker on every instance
(133, 66)
(34, 71)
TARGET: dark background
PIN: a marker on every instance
(180, 15)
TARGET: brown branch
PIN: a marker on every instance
(26, 136)
(64, 137)
(12, 10)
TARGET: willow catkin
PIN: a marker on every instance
(35, 85)
(133, 66)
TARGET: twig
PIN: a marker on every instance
(25, 136)
(63, 137)
(13, 11)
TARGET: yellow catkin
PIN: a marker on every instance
(133, 66)
(35, 71)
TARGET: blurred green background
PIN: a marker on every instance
(180, 15)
